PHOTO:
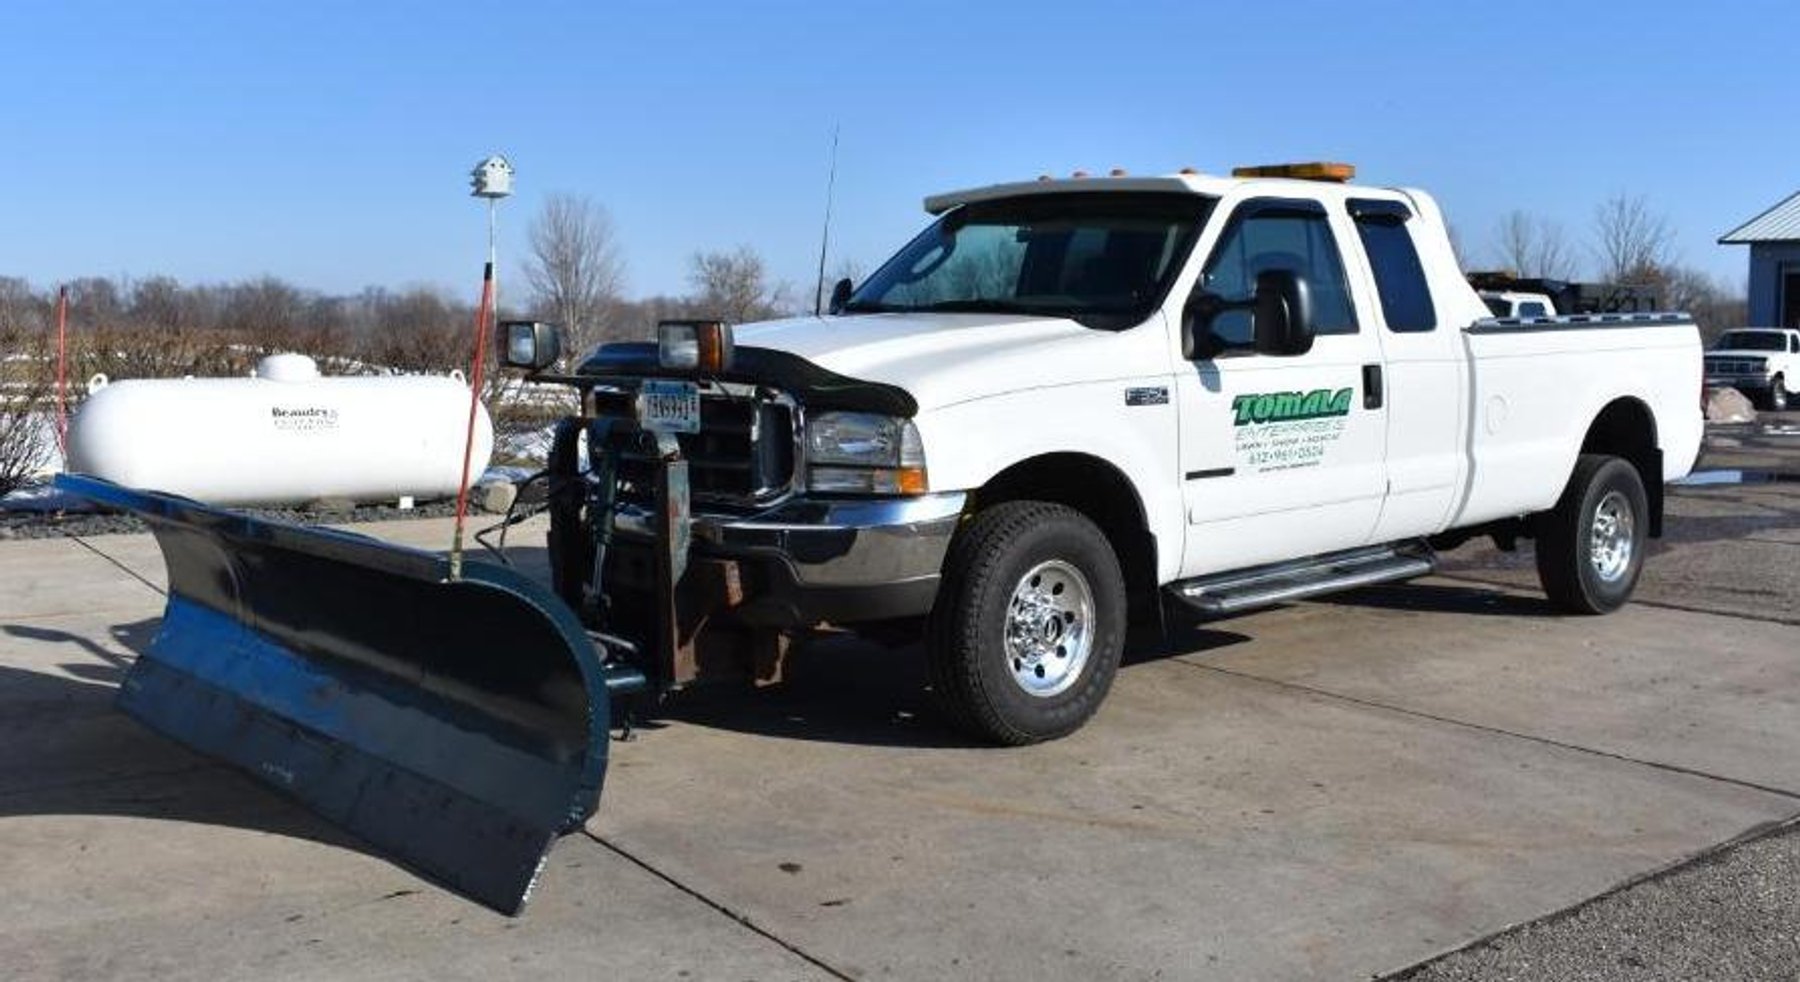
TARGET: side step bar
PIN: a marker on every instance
(1263, 586)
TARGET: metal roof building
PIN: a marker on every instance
(1774, 241)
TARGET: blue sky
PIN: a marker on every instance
(329, 142)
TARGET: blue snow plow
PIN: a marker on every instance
(457, 724)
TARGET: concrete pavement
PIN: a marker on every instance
(1327, 790)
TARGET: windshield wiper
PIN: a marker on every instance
(987, 306)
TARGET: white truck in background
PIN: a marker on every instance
(1512, 303)
(1066, 400)
(1761, 362)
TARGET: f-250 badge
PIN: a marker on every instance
(1154, 395)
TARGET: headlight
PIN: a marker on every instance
(864, 453)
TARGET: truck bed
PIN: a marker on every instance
(1518, 433)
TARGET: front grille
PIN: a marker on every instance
(742, 456)
(1734, 366)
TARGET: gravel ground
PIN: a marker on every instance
(1730, 916)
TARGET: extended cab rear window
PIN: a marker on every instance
(1399, 276)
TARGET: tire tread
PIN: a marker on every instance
(956, 622)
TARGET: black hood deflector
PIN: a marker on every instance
(815, 387)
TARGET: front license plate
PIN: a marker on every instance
(665, 406)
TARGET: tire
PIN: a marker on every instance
(1029, 623)
(1778, 394)
(1584, 572)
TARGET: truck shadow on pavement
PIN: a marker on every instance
(65, 750)
(1440, 598)
(842, 689)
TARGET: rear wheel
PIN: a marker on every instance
(1778, 393)
(1029, 623)
(1590, 547)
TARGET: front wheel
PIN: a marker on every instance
(1590, 547)
(1029, 623)
(1778, 394)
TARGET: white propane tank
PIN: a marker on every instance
(284, 436)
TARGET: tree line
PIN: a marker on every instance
(1628, 242)
(159, 327)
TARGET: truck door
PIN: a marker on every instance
(1282, 457)
(1426, 374)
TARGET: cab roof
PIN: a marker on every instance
(1186, 182)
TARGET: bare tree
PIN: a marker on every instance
(1533, 246)
(26, 398)
(575, 269)
(21, 311)
(734, 286)
(1631, 241)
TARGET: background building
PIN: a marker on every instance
(1774, 241)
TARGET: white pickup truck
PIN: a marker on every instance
(1760, 362)
(1069, 402)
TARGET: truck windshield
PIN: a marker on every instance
(1750, 341)
(1104, 259)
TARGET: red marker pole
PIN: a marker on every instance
(62, 373)
(475, 379)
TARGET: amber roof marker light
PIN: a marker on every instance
(1310, 171)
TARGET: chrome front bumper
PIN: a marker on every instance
(1740, 382)
(836, 559)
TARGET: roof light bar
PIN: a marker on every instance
(1310, 171)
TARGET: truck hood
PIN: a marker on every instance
(942, 359)
(1744, 353)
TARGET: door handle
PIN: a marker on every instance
(1371, 386)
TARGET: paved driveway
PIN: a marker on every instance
(1327, 790)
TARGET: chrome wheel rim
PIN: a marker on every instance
(1612, 538)
(1049, 628)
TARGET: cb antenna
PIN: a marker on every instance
(825, 235)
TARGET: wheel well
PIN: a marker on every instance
(1098, 490)
(1626, 428)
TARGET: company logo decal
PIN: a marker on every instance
(305, 419)
(1278, 431)
(1280, 407)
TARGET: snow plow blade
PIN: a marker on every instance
(459, 727)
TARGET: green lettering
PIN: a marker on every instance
(1241, 406)
(1340, 403)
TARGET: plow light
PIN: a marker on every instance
(698, 346)
(529, 345)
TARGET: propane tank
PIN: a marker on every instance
(286, 435)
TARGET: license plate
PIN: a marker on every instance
(665, 406)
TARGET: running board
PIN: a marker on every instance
(1263, 586)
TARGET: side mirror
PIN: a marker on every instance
(1197, 340)
(840, 295)
(1282, 314)
(529, 346)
